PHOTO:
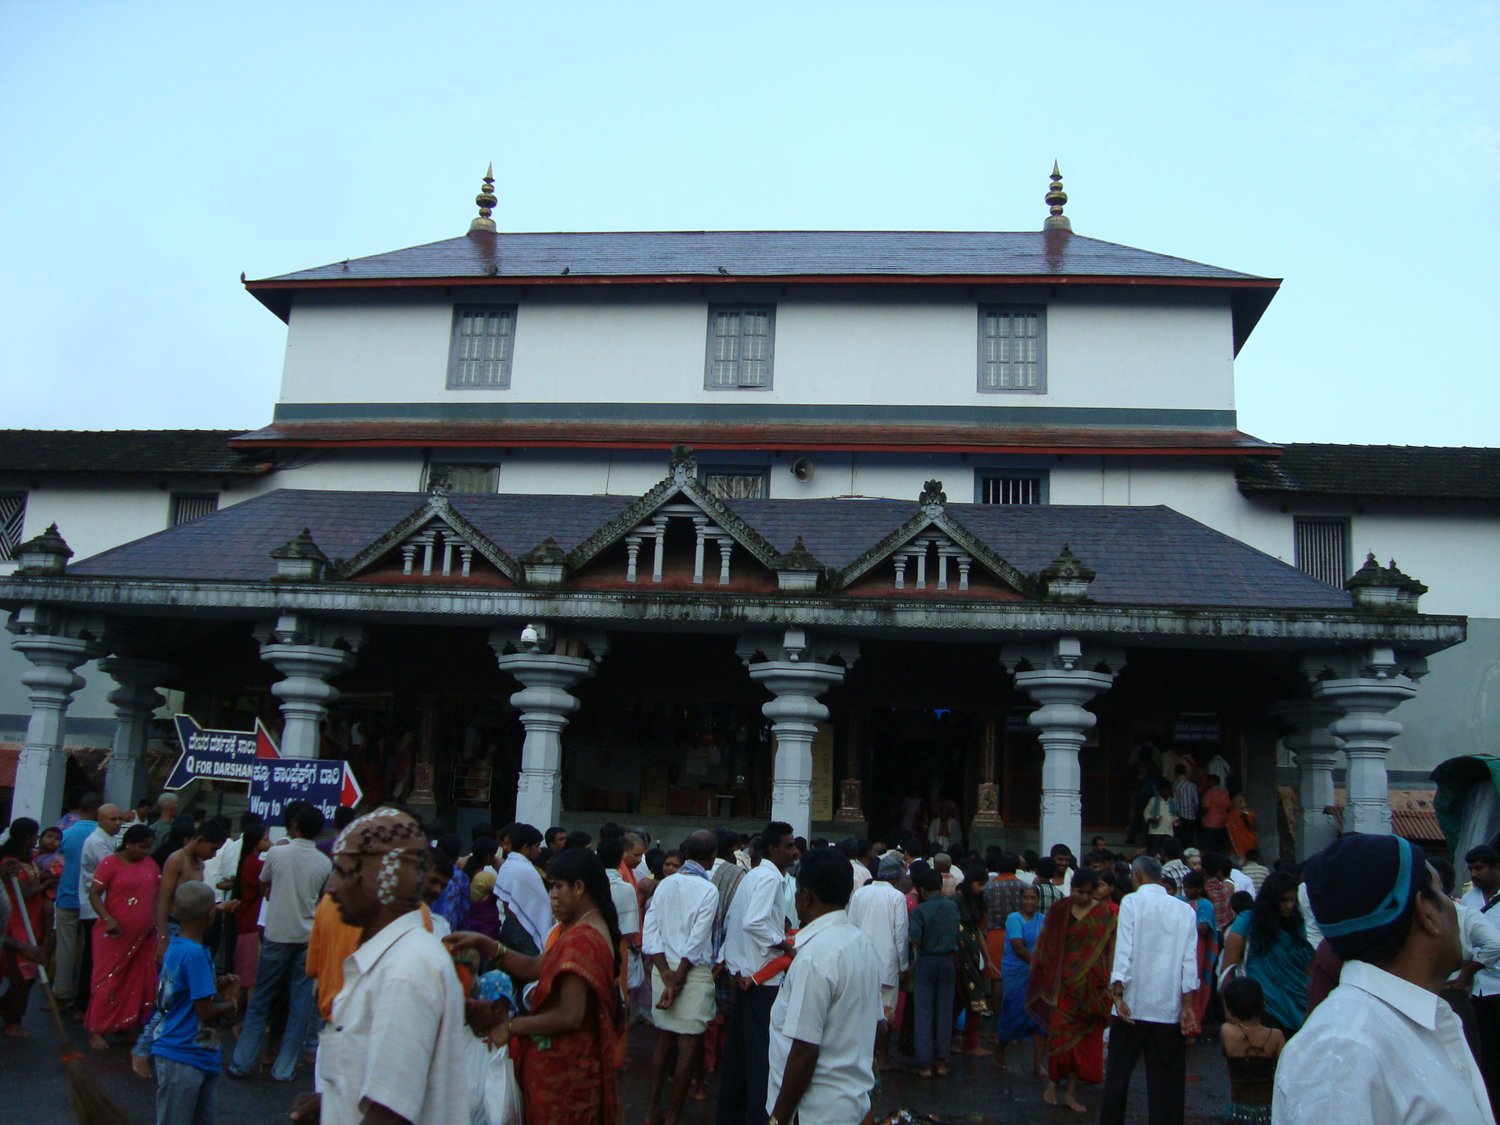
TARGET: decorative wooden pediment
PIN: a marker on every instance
(932, 551)
(435, 542)
(678, 501)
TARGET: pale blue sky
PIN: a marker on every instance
(153, 151)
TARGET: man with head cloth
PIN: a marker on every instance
(395, 1049)
(1384, 1046)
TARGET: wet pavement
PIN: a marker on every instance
(35, 1090)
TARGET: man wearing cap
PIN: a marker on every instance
(879, 910)
(1384, 1047)
(395, 1048)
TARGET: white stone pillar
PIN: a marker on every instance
(795, 670)
(1315, 753)
(545, 704)
(1363, 686)
(307, 653)
(55, 649)
(136, 698)
(1062, 676)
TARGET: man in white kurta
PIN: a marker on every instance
(823, 1022)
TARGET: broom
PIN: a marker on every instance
(91, 1105)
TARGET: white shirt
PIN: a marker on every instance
(1156, 953)
(879, 910)
(1379, 1050)
(520, 888)
(224, 864)
(397, 1033)
(861, 873)
(680, 921)
(98, 845)
(1479, 939)
(1241, 881)
(1309, 922)
(757, 920)
(831, 998)
(627, 903)
(296, 871)
(1487, 980)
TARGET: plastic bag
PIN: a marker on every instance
(502, 1093)
(635, 970)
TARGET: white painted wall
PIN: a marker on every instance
(1146, 349)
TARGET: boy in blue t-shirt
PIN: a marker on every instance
(191, 1002)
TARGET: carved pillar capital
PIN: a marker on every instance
(308, 652)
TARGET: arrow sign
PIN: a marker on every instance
(218, 755)
(251, 758)
(324, 782)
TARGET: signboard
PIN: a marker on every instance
(251, 758)
(1197, 727)
(822, 773)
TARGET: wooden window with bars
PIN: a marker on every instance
(12, 520)
(741, 342)
(462, 478)
(1322, 548)
(739, 484)
(1011, 488)
(1012, 350)
(483, 341)
(190, 506)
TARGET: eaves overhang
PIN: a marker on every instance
(454, 606)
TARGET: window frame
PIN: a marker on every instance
(1040, 476)
(173, 515)
(455, 336)
(741, 307)
(446, 464)
(990, 307)
(761, 471)
(8, 550)
(1346, 539)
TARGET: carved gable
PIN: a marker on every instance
(434, 544)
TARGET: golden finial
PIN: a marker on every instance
(1055, 199)
(486, 200)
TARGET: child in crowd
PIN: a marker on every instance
(1251, 1050)
(192, 1003)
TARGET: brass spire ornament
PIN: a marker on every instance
(486, 201)
(1055, 199)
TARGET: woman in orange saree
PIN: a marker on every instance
(1068, 991)
(564, 1048)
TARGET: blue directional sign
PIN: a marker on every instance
(251, 758)
(218, 755)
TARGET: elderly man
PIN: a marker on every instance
(98, 844)
(678, 939)
(824, 1020)
(166, 813)
(879, 910)
(395, 1049)
(1154, 982)
(1383, 1047)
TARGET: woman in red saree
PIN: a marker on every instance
(19, 874)
(123, 988)
(564, 1048)
(1068, 991)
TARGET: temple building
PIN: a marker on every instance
(680, 528)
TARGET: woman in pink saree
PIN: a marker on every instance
(123, 893)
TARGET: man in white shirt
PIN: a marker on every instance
(678, 940)
(1483, 897)
(1153, 984)
(292, 877)
(879, 910)
(528, 910)
(754, 935)
(395, 1049)
(1383, 1047)
(822, 1043)
(100, 843)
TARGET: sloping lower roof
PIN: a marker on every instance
(1412, 814)
(1144, 556)
(1376, 471)
(125, 452)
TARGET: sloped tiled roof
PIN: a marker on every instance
(1144, 556)
(765, 254)
(125, 452)
(1376, 471)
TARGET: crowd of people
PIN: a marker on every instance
(429, 979)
